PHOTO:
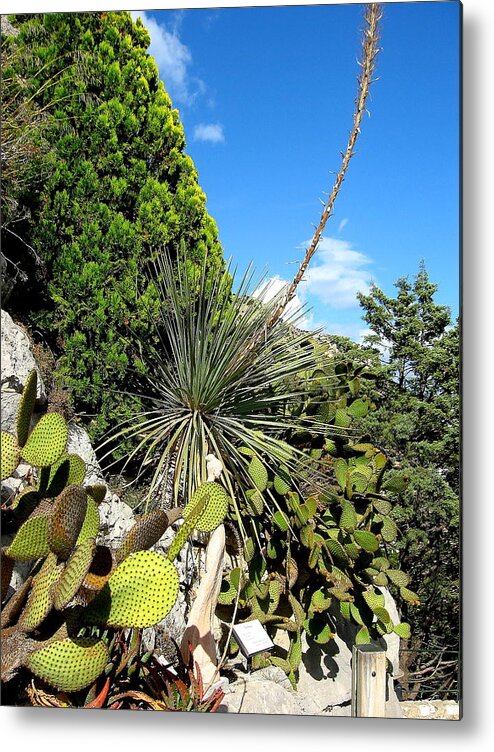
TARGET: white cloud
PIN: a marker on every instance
(212, 132)
(172, 57)
(343, 224)
(294, 311)
(337, 274)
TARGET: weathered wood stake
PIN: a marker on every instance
(368, 682)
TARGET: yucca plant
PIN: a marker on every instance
(221, 382)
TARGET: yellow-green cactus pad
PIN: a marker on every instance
(254, 502)
(90, 526)
(374, 599)
(98, 492)
(26, 407)
(140, 593)
(31, 541)
(26, 502)
(67, 518)
(215, 508)
(101, 568)
(73, 575)
(70, 664)
(40, 600)
(258, 474)
(6, 572)
(282, 482)
(9, 454)
(47, 441)
(366, 540)
(146, 532)
(69, 469)
(187, 527)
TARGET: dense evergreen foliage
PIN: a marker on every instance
(120, 186)
(417, 421)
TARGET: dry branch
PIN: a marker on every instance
(370, 49)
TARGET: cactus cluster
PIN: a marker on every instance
(325, 548)
(73, 579)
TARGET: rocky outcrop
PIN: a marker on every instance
(17, 359)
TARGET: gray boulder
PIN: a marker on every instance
(17, 359)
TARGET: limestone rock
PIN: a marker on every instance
(17, 359)
(257, 694)
(80, 443)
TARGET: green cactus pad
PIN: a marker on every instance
(47, 441)
(67, 518)
(281, 521)
(9, 455)
(341, 418)
(102, 566)
(227, 593)
(97, 491)
(366, 540)
(186, 528)
(26, 502)
(140, 593)
(69, 469)
(6, 570)
(295, 651)
(249, 549)
(31, 541)
(373, 599)
(409, 596)
(383, 506)
(397, 577)
(320, 601)
(146, 532)
(389, 531)
(254, 502)
(402, 630)
(340, 472)
(358, 409)
(90, 526)
(70, 664)
(318, 630)
(396, 485)
(336, 550)
(282, 481)
(40, 600)
(348, 518)
(214, 510)
(258, 474)
(26, 407)
(362, 637)
(73, 575)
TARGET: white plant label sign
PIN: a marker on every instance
(252, 638)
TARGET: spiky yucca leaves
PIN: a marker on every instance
(212, 390)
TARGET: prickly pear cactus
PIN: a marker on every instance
(47, 441)
(140, 592)
(70, 664)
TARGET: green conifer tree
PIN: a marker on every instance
(120, 189)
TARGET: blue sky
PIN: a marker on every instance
(266, 99)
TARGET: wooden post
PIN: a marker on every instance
(368, 682)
